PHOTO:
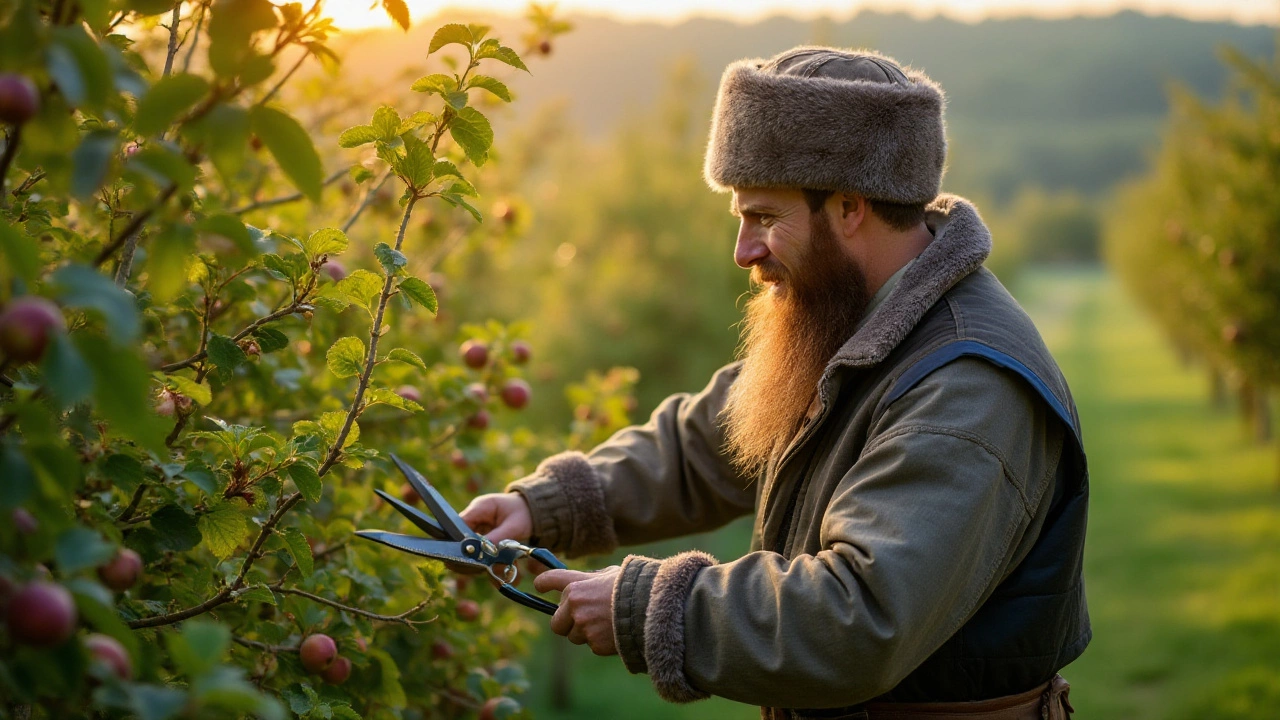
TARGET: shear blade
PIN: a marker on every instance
(449, 519)
(444, 550)
(416, 516)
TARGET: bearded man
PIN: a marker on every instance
(908, 446)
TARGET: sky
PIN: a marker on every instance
(356, 14)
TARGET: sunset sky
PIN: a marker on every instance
(355, 14)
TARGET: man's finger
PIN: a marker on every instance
(562, 621)
(558, 579)
(505, 531)
(480, 512)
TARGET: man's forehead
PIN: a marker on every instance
(762, 199)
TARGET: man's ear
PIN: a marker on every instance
(853, 213)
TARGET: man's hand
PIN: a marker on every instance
(586, 606)
(500, 516)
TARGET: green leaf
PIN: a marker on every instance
(176, 527)
(346, 357)
(357, 136)
(292, 148)
(66, 374)
(459, 201)
(170, 250)
(389, 397)
(225, 354)
(199, 646)
(388, 690)
(92, 160)
(300, 550)
(301, 698)
(331, 423)
(199, 392)
(97, 608)
(231, 228)
(122, 391)
(305, 477)
(327, 241)
(420, 293)
(270, 339)
(289, 267)
(21, 251)
(386, 122)
(80, 548)
(445, 168)
(223, 529)
(493, 85)
(166, 100)
(361, 287)
(392, 260)
(80, 286)
(493, 49)
(258, 593)
(79, 67)
(404, 356)
(224, 133)
(163, 166)
(398, 11)
(450, 34)
(418, 162)
(155, 702)
(472, 132)
(124, 471)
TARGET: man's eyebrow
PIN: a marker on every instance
(752, 208)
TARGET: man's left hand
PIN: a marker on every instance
(586, 606)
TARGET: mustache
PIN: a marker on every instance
(769, 271)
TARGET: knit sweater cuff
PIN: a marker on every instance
(654, 592)
(566, 502)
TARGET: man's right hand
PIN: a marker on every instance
(500, 516)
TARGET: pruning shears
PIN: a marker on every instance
(453, 541)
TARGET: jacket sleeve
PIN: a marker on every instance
(946, 498)
(666, 478)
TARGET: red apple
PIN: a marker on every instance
(504, 212)
(477, 392)
(441, 650)
(108, 651)
(475, 354)
(479, 421)
(26, 326)
(337, 672)
(41, 614)
(122, 572)
(468, 610)
(24, 522)
(317, 652)
(521, 351)
(336, 270)
(409, 495)
(458, 459)
(544, 47)
(410, 393)
(19, 99)
(516, 393)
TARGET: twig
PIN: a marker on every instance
(133, 504)
(173, 39)
(375, 333)
(191, 49)
(10, 150)
(134, 226)
(276, 88)
(402, 618)
(31, 180)
(255, 645)
(369, 195)
(287, 310)
(283, 199)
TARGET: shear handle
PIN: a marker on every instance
(545, 557)
(528, 600)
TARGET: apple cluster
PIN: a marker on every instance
(319, 655)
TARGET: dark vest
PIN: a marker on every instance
(1036, 620)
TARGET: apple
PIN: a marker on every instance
(504, 212)
(165, 403)
(479, 421)
(336, 270)
(24, 522)
(409, 495)
(475, 354)
(441, 650)
(410, 393)
(544, 47)
(108, 651)
(521, 351)
(516, 393)
(458, 459)
(317, 652)
(337, 672)
(41, 614)
(474, 483)
(26, 326)
(122, 572)
(477, 392)
(468, 610)
(19, 99)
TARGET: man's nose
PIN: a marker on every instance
(750, 249)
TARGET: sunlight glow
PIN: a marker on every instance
(364, 14)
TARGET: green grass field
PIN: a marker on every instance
(1183, 557)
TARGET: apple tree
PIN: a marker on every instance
(208, 344)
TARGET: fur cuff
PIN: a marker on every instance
(884, 140)
(566, 500)
(664, 626)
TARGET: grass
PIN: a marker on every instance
(1183, 555)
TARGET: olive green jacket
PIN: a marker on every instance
(878, 532)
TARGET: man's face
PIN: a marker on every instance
(812, 297)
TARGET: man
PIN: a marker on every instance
(908, 445)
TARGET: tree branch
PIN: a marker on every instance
(369, 195)
(173, 39)
(276, 88)
(283, 199)
(402, 618)
(10, 150)
(134, 226)
(255, 645)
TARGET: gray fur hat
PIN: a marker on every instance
(828, 119)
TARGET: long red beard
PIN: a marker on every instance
(789, 335)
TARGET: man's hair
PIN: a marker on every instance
(898, 216)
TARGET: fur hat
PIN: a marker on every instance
(828, 119)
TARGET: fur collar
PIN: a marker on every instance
(961, 242)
